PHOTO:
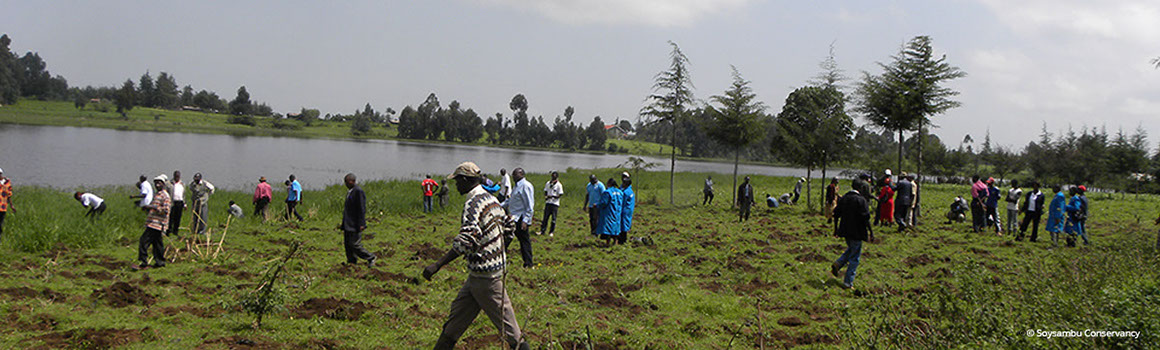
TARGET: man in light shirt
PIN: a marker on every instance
(552, 192)
(200, 190)
(1013, 197)
(293, 197)
(505, 186)
(146, 192)
(178, 199)
(95, 204)
(595, 189)
(520, 207)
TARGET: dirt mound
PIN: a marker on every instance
(812, 257)
(801, 339)
(29, 293)
(609, 300)
(104, 261)
(790, 321)
(122, 294)
(240, 342)
(98, 275)
(754, 285)
(917, 260)
(37, 323)
(596, 345)
(89, 338)
(426, 251)
(337, 309)
(602, 285)
(742, 265)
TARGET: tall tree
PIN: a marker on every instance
(673, 93)
(146, 92)
(813, 129)
(9, 83)
(737, 121)
(831, 75)
(241, 104)
(908, 92)
(125, 98)
(166, 95)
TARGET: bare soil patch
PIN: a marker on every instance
(336, 309)
(89, 338)
(122, 294)
(29, 293)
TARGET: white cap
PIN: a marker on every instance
(1, 171)
(161, 178)
(888, 172)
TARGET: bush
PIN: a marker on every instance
(241, 119)
(284, 124)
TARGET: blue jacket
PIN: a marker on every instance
(1055, 216)
(610, 209)
(993, 197)
(627, 209)
(595, 190)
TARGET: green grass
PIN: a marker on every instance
(706, 279)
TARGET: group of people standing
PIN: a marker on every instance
(611, 207)
(1065, 215)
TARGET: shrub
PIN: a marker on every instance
(241, 119)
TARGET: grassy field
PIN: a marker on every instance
(57, 113)
(709, 282)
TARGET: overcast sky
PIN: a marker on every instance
(1066, 63)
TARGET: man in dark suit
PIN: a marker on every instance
(852, 222)
(1032, 210)
(354, 221)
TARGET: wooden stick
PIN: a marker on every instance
(223, 239)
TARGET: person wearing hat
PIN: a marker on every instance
(354, 222)
(156, 222)
(200, 190)
(483, 227)
(831, 199)
(5, 199)
(262, 196)
(553, 189)
(96, 205)
(797, 189)
(595, 189)
(628, 207)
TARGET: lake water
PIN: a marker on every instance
(72, 157)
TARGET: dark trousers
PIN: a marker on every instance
(993, 218)
(525, 243)
(352, 243)
(96, 212)
(292, 209)
(902, 214)
(175, 216)
(593, 219)
(151, 238)
(1031, 217)
(744, 214)
(3, 213)
(260, 207)
(550, 211)
(977, 215)
(622, 238)
(708, 198)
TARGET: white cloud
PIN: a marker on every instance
(661, 13)
(1130, 20)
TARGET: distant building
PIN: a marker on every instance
(616, 132)
(190, 108)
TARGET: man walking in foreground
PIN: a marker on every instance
(595, 189)
(156, 222)
(744, 199)
(200, 190)
(552, 192)
(480, 240)
(429, 187)
(521, 206)
(852, 222)
(354, 222)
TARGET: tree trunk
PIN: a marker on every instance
(918, 174)
(825, 182)
(673, 160)
(899, 170)
(736, 159)
(809, 174)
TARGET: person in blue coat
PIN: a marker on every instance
(1055, 214)
(1076, 212)
(610, 205)
(627, 208)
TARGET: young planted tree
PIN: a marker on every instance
(673, 94)
(813, 129)
(738, 120)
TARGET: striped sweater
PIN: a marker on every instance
(480, 238)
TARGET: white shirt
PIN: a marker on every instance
(178, 191)
(1031, 198)
(505, 186)
(551, 190)
(147, 191)
(1017, 192)
(91, 201)
(520, 205)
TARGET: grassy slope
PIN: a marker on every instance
(706, 277)
(56, 113)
